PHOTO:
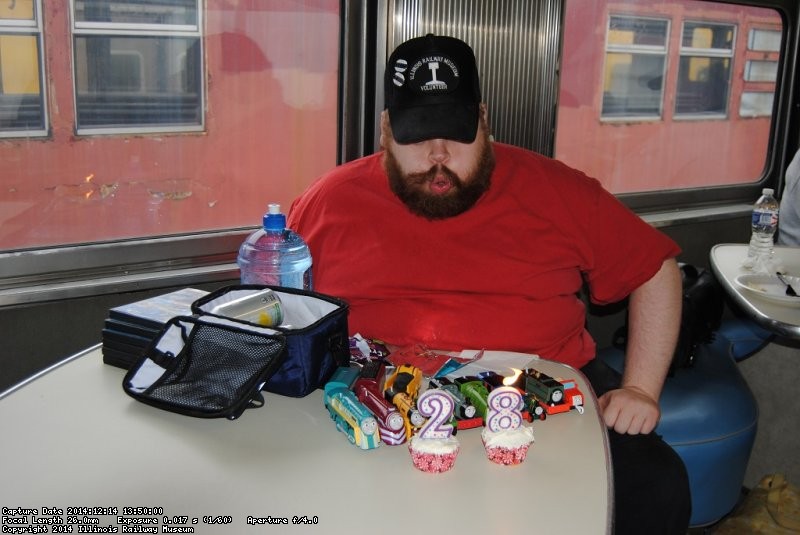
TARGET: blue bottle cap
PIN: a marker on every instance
(274, 219)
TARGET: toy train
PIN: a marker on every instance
(368, 388)
(542, 394)
(370, 408)
(368, 414)
(464, 409)
(475, 391)
(351, 417)
(402, 389)
(554, 396)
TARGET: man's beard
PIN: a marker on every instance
(463, 194)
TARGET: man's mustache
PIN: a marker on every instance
(429, 175)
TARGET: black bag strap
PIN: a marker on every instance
(339, 346)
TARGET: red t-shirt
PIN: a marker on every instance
(504, 275)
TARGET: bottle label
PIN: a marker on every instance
(765, 218)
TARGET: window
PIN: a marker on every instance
(269, 77)
(22, 102)
(704, 70)
(764, 39)
(138, 66)
(674, 99)
(634, 71)
(756, 104)
(760, 73)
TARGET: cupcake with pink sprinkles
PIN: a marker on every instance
(434, 455)
(434, 449)
(507, 447)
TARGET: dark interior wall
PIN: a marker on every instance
(38, 335)
(697, 239)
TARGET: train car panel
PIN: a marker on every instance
(351, 417)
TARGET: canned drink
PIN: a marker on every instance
(263, 307)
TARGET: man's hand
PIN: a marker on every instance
(654, 316)
(629, 410)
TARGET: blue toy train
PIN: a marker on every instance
(351, 417)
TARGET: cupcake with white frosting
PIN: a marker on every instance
(434, 455)
(507, 447)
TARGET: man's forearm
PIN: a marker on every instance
(654, 322)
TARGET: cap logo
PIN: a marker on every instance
(431, 74)
(400, 68)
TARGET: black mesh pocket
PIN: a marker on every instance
(218, 372)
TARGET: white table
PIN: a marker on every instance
(726, 261)
(73, 438)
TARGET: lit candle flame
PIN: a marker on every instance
(89, 178)
(509, 381)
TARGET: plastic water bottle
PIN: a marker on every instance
(764, 224)
(275, 255)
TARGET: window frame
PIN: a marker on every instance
(38, 275)
(751, 39)
(118, 29)
(754, 97)
(34, 28)
(784, 138)
(696, 52)
(86, 270)
(757, 87)
(748, 68)
(633, 49)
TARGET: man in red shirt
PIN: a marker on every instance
(449, 239)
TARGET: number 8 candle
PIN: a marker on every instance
(505, 439)
(505, 403)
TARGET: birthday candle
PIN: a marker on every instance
(436, 405)
(504, 413)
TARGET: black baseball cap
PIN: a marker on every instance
(432, 90)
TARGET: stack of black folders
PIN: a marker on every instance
(130, 328)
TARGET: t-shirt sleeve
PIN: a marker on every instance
(624, 250)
